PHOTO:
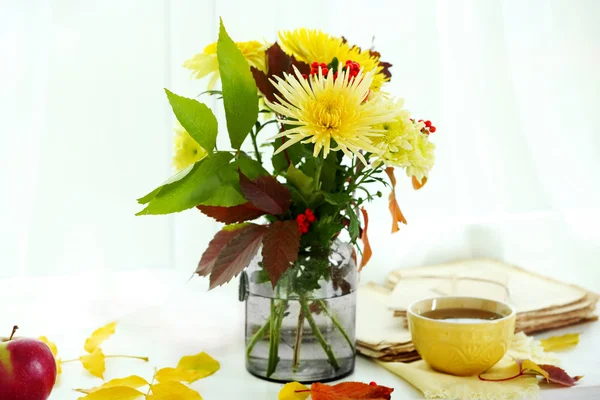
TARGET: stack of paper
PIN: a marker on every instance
(541, 303)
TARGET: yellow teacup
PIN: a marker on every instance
(458, 347)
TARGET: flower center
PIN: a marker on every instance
(328, 112)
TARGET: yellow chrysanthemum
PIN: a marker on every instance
(187, 150)
(332, 114)
(206, 63)
(310, 45)
(403, 144)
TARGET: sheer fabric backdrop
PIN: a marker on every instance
(512, 87)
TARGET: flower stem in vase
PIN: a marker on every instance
(315, 328)
(337, 323)
(276, 319)
(298, 341)
(257, 336)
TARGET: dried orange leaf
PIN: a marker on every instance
(397, 215)
(54, 351)
(293, 391)
(177, 375)
(94, 363)
(172, 391)
(367, 251)
(132, 381)
(114, 393)
(560, 342)
(99, 336)
(350, 391)
(418, 185)
(203, 364)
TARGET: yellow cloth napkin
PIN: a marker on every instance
(437, 385)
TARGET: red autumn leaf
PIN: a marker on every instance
(230, 215)
(349, 391)
(280, 248)
(418, 185)
(266, 193)
(397, 216)
(559, 375)
(367, 252)
(215, 246)
(277, 63)
(237, 253)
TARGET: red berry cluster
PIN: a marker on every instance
(305, 220)
(352, 68)
(429, 128)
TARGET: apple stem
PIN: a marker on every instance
(13, 332)
(122, 356)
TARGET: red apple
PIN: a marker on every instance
(27, 369)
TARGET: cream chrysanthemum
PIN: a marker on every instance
(310, 45)
(187, 150)
(206, 63)
(403, 144)
(331, 113)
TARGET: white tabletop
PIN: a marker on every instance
(163, 316)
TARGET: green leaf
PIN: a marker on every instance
(240, 95)
(301, 181)
(174, 178)
(196, 118)
(337, 199)
(211, 181)
(249, 166)
(323, 230)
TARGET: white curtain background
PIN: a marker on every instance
(513, 88)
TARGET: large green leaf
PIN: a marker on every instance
(249, 166)
(239, 89)
(301, 181)
(211, 181)
(178, 176)
(196, 118)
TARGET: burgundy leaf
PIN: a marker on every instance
(215, 246)
(277, 63)
(236, 254)
(229, 215)
(559, 375)
(280, 248)
(266, 194)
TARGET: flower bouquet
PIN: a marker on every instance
(335, 134)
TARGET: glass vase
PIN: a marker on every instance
(303, 329)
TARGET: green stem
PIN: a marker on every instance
(315, 328)
(298, 341)
(337, 323)
(318, 173)
(274, 334)
(257, 336)
(253, 136)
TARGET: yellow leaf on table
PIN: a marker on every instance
(114, 393)
(99, 336)
(560, 342)
(132, 381)
(54, 351)
(289, 391)
(178, 375)
(173, 391)
(94, 363)
(202, 363)
(531, 366)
